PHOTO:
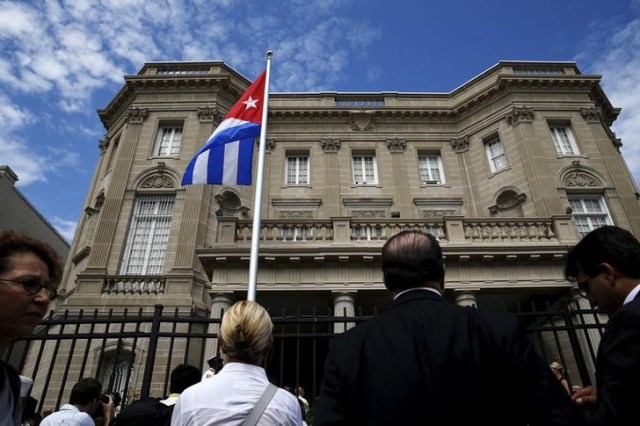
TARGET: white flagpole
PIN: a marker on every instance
(257, 204)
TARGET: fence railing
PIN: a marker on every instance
(133, 352)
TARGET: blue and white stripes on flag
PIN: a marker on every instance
(227, 156)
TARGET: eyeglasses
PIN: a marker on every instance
(32, 286)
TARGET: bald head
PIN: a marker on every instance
(412, 259)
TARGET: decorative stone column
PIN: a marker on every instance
(461, 147)
(402, 200)
(196, 203)
(115, 194)
(343, 306)
(331, 147)
(589, 339)
(466, 298)
(220, 302)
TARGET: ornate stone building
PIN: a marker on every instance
(508, 170)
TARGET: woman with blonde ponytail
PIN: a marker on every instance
(228, 398)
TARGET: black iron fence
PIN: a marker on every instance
(132, 353)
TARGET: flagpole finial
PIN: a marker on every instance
(269, 53)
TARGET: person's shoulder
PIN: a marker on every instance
(627, 316)
(505, 319)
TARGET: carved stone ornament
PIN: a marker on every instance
(507, 200)
(269, 144)
(438, 213)
(579, 178)
(104, 145)
(296, 214)
(396, 145)
(136, 115)
(158, 181)
(361, 122)
(368, 214)
(520, 115)
(460, 145)
(330, 145)
(208, 114)
(99, 201)
(591, 115)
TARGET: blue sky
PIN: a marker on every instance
(60, 60)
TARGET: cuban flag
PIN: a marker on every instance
(227, 156)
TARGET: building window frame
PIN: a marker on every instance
(148, 235)
(430, 169)
(563, 140)
(496, 154)
(168, 140)
(297, 169)
(364, 169)
(589, 211)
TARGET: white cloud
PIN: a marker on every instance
(66, 228)
(619, 65)
(12, 116)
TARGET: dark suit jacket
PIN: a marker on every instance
(428, 361)
(7, 373)
(618, 369)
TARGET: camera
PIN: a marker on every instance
(104, 399)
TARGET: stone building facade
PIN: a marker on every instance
(508, 170)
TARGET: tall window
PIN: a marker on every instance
(297, 172)
(148, 235)
(563, 140)
(495, 154)
(168, 141)
(430, 169)
(364, 170)
(589, 212)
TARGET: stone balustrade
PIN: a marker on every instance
(134, 284)
(454, 230)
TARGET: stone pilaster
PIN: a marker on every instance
(466, 298)
(196, 203)
(461, 147)
(402, 199)
(114, 197)
(343, 306)
(220, 303)
(588, 338)
(531, 146)
(331, 176)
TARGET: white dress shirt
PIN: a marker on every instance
(229, 396)
(68, 415)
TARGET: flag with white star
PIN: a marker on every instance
(227, 156)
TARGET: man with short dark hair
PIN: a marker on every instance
(606, 266)
(152, 412)
(84, 404)
(182, 376)
(428, 361)
(27, 267)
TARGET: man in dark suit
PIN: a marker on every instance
(606, 265)
(428, 361)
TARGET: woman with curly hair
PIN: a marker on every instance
(27, 267)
